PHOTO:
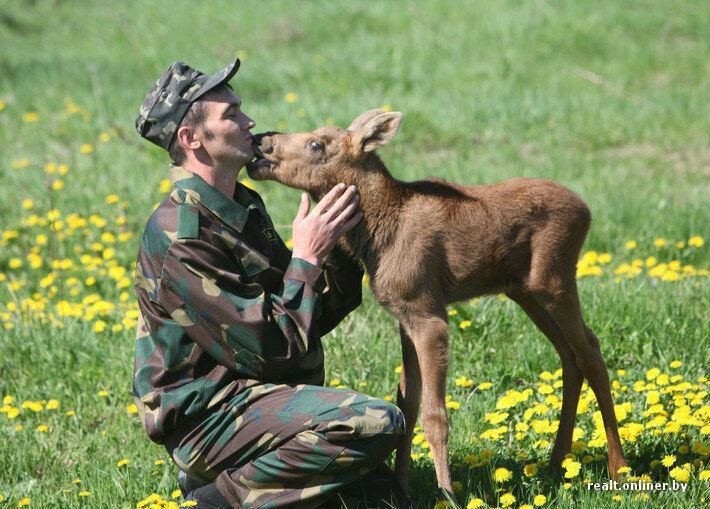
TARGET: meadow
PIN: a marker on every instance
(609, 98)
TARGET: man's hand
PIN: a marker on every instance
(315, 233)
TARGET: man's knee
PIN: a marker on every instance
(372, 418)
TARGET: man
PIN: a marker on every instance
(229, 360)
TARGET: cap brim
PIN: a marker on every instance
(219, 78)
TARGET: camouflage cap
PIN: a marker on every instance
(168, 101)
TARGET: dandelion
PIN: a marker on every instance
(176, 494)
(42, 428)
(659, 242)
(2, 107)
(530, 470)
(86, 148)
(102, 393)
(539, 500)
(676, 364)
(291, 97)
(122, 463)
(668, 461)
(501, 475)
(623, 470)
(104, 137)
(475, 503)
(465, 324)
(631, 245)
(386, 107)
(704, 475)
(188, 503)
(680, 474)
(652, 373)
(27, 204)
(159, 462)
(52, 404)
(696, 241)
(30, 116)
(58, 185)
(572, 468)
(84, 493)
(507, 499)
(132, 409)
(112, 198)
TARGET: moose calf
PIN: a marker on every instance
(426, 244)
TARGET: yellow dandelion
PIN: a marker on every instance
(27, 204)
(132, 409)
(84, 493)
(104, 137)
(112, 198)
(122, 462)
(188, 503)
(465, 324)
(704, 475)
(102, 393)
(696, 241)
(572, 468)
(2, 105)
(668, 461)
(52, 404)
(676, 364)
(291, 97)
(58, 185)
(475, 503)
(659, 242)
(42, 428)
(484, 386)
(501, 475)
(540, 500)
(631, 244)
(176, 494)
(386, 107)
(623, 470)
(70, 413)
(530, 470)
(652, 373)
(86, 148)
(507, 499)
(30, 116)
(680, 474)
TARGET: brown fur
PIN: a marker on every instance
(429, 243)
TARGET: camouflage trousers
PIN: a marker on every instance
(274, 446)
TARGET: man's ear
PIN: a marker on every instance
(185, 135)
(378, 131)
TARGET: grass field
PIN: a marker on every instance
(609, 98)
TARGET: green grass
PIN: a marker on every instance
(609, 98)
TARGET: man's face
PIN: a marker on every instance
(225, 134)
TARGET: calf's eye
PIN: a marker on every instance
(315, 146)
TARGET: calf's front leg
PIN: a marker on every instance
(430, 336)
(408, 400)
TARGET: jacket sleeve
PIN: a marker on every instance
(343, 293)
(257, 334)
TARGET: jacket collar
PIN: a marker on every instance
(233, 212)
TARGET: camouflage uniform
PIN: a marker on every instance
(229, 360)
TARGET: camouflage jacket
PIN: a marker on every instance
(223, 304)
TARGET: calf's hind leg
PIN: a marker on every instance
(571, 375)
(565, 309)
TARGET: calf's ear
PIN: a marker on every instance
(377, 131)
(363, 118)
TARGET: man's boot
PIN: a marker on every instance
(379, 489)
(205, 494)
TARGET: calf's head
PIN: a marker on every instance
(318, 160)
